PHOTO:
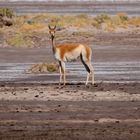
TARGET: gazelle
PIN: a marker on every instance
(69, 52)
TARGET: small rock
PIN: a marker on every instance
(36, 96)
(131, 131)
(95, 85)
(25, 88)
(13, 93)
(117, 121)
(132, 100)
(96, 120)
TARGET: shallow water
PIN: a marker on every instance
(104, 72)
(92, 8)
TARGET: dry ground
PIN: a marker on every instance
(103, 111)
(100, 112)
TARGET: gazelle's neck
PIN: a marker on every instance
(53, 45)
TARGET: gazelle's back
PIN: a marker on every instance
(71, 51)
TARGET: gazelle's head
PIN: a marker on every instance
(52, 31)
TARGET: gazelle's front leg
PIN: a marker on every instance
(62, 72)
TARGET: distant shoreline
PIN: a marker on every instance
(77, 7)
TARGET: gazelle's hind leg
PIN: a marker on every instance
(88, 76)
(91, 72)
(89, 69)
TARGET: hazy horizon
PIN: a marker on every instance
(69, 0)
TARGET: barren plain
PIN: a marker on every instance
(34, 107)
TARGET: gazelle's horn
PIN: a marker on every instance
(49, 26)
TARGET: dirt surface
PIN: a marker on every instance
(102, 111)
(33, 106)
(47, 111)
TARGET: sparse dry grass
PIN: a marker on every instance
(20, 40)
(135, 21)
(25, 27)
(6, 16)
(44, 67)
(6, 12)
(32, 27)
(38, 22)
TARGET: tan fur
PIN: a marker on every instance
(72, 48)
(66, 48)
(70, 52)
(88, 53)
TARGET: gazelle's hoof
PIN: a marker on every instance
(86, 84)
(60, 84)
(93, 83)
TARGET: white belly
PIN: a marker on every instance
(69, 57)
(73, 55)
